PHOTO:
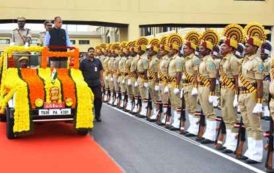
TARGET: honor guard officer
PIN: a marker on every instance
(163, 78)
(152, 74)
(129, 77)
(142, 67)
(207, 81)
(229, 71)
(189, 80)
(251, 93)
(175, 70)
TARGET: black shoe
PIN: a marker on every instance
(227, 151)
(199, 139)
(173, 128)
(242, 158)
(98, 119)
(220, 147)
(206, 141)
(189, 135)
(249, 161)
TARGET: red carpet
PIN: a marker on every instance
(53, 148)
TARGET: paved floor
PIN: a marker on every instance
(143, 147)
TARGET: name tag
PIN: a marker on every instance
(95, 69)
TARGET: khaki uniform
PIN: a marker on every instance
(207, 70)
(142, 66)
(105, 74)
(152, 77)
(128, 77)
(163, 76)
(191, 67)
(250, 72)
(111, 71)
(121, 78)
(190, 71)
(133, 79)
(116, 74)
(20, 37)
(229, 67)
(175, 66)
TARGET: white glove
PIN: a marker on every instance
(194, 92)
(214, 100)
(235, 101)
(27, 44)
(123, 81)
(258, 108)
(111, 79)
(166, 90)
(129, 82)
(146, 84)
(136, 84)
(182, 93)
(156, 88)
(217, 82)
(176, 91)
(266, 112)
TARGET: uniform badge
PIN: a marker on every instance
(211, 66)
(261, 68)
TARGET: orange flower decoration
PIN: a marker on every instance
(35, 85)
(68, 86)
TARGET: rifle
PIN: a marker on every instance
(220, 134)
(269, 147)
(201, 125)
(183, 116)
(149, 107)
(240, 139)
(168, 114)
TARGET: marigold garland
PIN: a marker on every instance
(18, 89)
(45, 74)
(84, 114)
(68, 87)
(35, 84)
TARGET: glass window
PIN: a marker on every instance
(73, 42)
(83, 41)
(4, 41)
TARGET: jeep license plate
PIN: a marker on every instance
(48, 112)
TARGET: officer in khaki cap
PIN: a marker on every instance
(130, 96)
(122, 67)
(133, 81)
(229, 71)
(110, 76)
(142, 67)
(163, 82)
(116, 74)
(175, 69)
(189, 80)
(207, 80)
(21, 36)
(152, 74)
(251, 93)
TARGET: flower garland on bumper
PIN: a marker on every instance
(84, 113)
(18, 89)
